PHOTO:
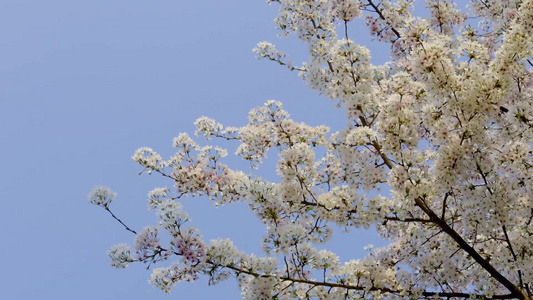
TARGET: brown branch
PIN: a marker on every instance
(407, 220)
(120, 221)
(376, 145)
(484, 177)
(444, 206)
(515, 291)
(353, 211)
(508, 242)
(362, 288)
(378, 11)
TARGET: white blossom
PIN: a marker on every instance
(101, 196)
(157, 196)
(147, 157)
(171, 215)
(120, 256)
(207, 126)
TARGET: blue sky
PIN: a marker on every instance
(83, 84)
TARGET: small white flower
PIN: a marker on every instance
(162, 278)
(156, 196)
(101, 196)
(120, 256)
(207, 127)
(147, 157)
(171, 214)
(184, 140)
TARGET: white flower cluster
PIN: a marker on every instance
(171, 216)
(189, 244)
(157, 196)
(222, 252)
(147, 157)
(120, 256)
(345, 10)
(147, 242)
(101, 196)
(206, 126)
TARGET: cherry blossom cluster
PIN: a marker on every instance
(436, 156)
(101, 196)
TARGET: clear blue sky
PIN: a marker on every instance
(83, 84)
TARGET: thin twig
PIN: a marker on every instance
(115, 217)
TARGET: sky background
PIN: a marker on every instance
(83, 84)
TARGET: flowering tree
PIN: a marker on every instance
(437, 156)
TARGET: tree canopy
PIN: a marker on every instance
(436, 155)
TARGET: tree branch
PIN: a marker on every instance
(125, 226)
(362, 288)
(378, 11)
(515, 291)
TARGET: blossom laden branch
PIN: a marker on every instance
(436, 156)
